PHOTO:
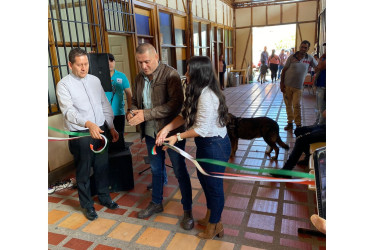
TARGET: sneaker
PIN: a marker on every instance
(152, 208)
(289, 126)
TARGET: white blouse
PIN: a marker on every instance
(207, 123)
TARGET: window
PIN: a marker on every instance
(118, 16)
(144, 26)
(77, 23)
(70, 24)
(229, 47)
(201, 39)
(173, 41)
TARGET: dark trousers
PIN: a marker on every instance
(273, 69)
(119, 125)
(221, 79)
(84, 159)
(305, 136)
(158, 172)
(219, 149)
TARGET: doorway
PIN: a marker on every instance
(273, 37)
(119, 47)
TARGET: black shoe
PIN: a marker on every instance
(149, 186)
(289, 126)
(90, 213)
(187, 221)
(111, 205)
(150, 210)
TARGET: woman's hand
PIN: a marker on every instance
(161, 135)
(171, 140)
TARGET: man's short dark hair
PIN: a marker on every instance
(306, 42)
(76, 52)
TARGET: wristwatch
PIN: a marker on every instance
(179, 137)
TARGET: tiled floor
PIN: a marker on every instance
(257, 215)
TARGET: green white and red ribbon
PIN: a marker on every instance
(78, 136)
(307, 179)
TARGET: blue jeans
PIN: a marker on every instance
(321, 104)
(180, 170)
(219, 149)
(280, 67)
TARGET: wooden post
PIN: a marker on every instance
(190, 51)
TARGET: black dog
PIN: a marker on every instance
(250, 128)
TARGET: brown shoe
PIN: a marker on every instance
(289, 126)
(205, 220)
(211, 231)
(150, 210)
(187, 221)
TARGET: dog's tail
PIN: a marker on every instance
(282, 144)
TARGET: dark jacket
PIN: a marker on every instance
(167, 97)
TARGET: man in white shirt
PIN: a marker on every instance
(85, 108)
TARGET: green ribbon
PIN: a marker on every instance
(270, 171)
(68, 132)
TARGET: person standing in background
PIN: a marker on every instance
(120, 85)
(283, 58)
(222, 70)
(273, 62)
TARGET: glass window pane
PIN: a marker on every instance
(165, 27)
(51, 87)
(204, 52)
(196, 51)
(180, 37)
(142, 24)
(226, 38)
(230, 56)
(166, 56)
(180, 28)
(144, 40)
(196, 34)
(181, 60)
(204, 35)
(227, 56)
(230, 38)
(219, 35)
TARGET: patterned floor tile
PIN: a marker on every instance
(261, 221)
(56, 215)
(78, 244)
(74, 221)
(125, 231)
(183, 241)
(290, 226)
(55, 239)
(218, 245)
(231, 217)
(99, 226)
(165, 219)
(236, 202)
(258, 237)
(104, 247)
(265, 206)
(295, 210)
(153, 237)
(173, 207)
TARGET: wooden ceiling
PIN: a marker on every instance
(253, 3)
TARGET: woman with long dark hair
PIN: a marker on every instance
(273, 62)
(205, 114)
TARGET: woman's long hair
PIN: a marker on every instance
(272, 53)
(201, 74)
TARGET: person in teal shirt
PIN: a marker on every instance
(120, 85)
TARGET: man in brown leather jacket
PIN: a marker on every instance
(157, 100)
